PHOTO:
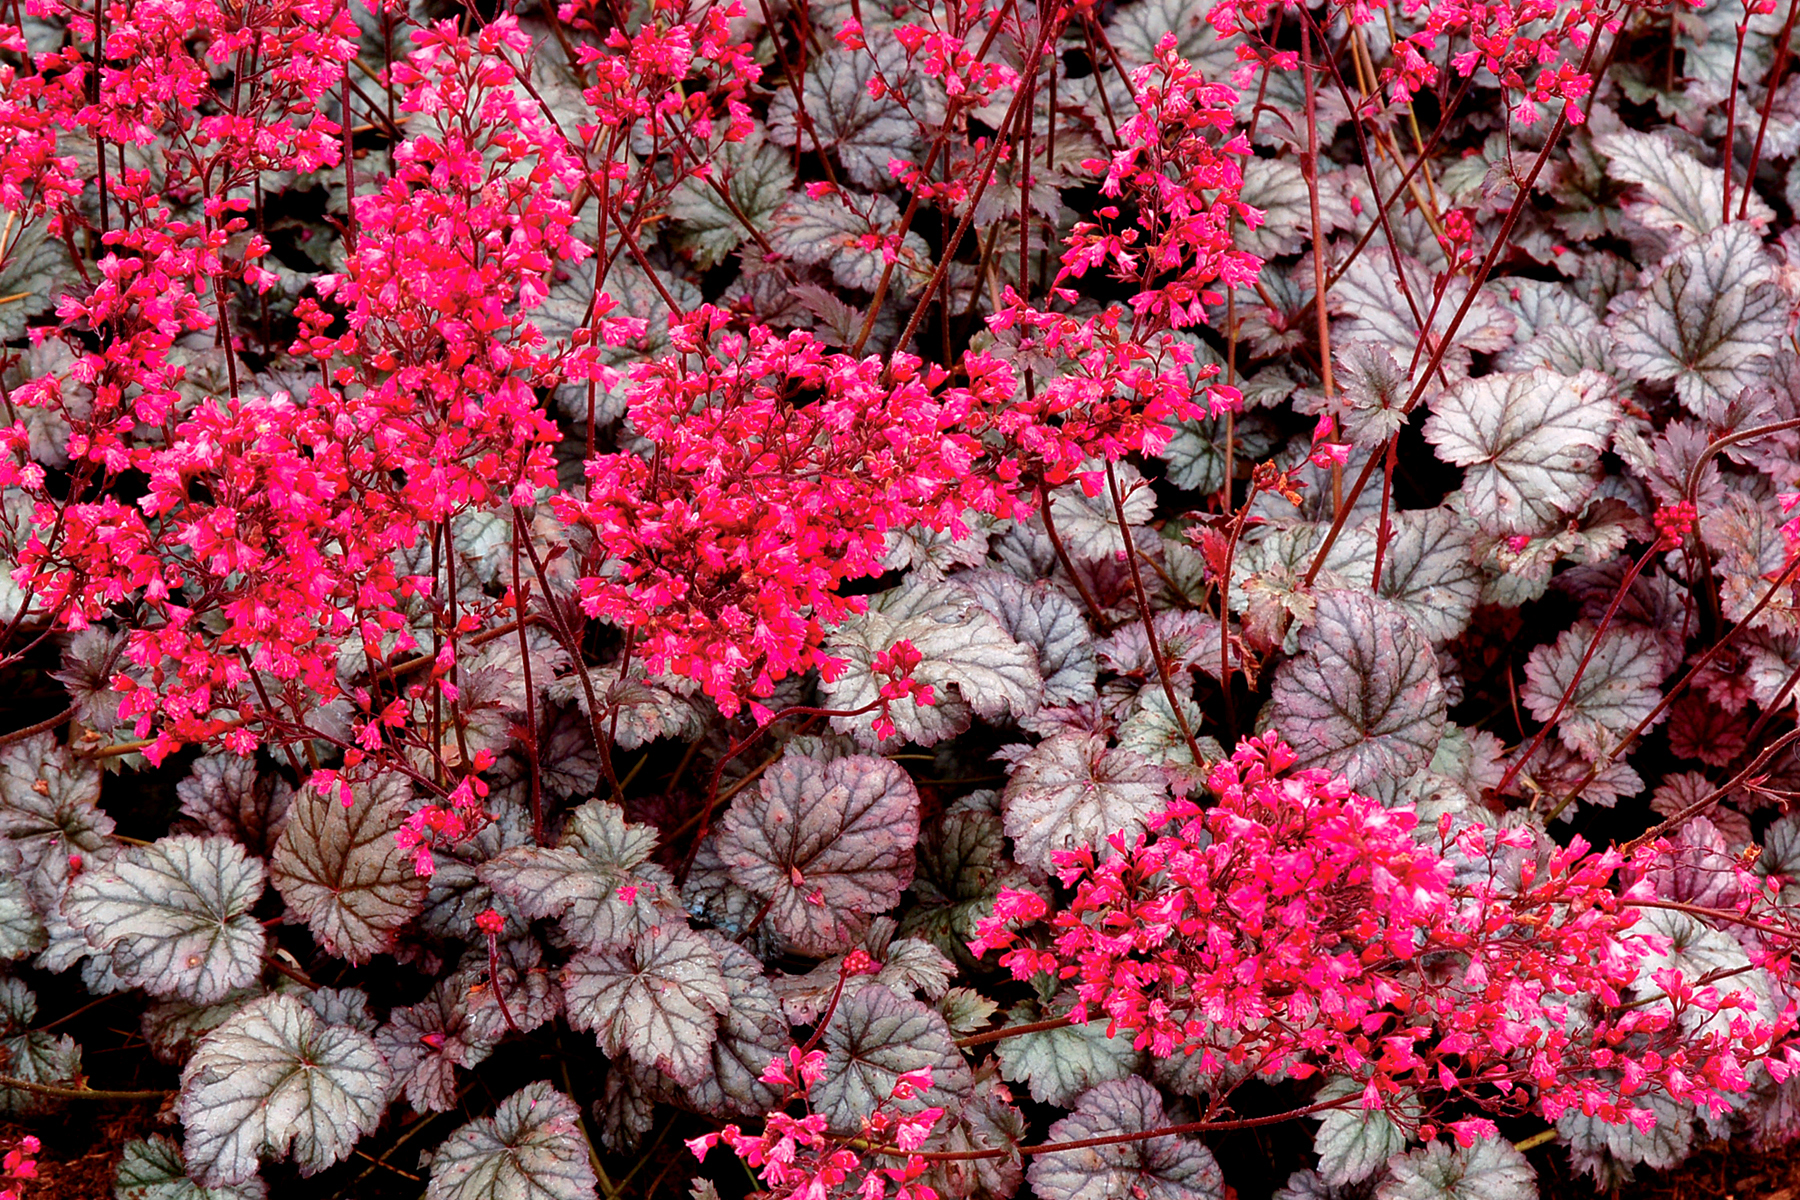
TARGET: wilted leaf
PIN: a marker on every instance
(874, 1038)
(342, 869)
(1072, 790)
(599, 880)
(175, 916)
(1363, 696)
(153, 1169)
(1530, 442)
(659, 1000)
(275, 1078)
(828, 844)
(532, 1148)
(1163, 1168)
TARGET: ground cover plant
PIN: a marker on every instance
(1164, 599)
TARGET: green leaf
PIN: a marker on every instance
(532, 1148)
(275, 1078)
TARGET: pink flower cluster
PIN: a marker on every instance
(1296, 927)
(798, 1159)
(20, 1163)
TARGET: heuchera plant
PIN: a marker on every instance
(927, 599)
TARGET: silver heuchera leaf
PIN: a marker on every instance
(1373, 309)
(599, 881)
(532, 1148)
(866, 131)
(1163, 1168)
(827, 844)
(31, 1055)
(874, 1038)
(1530, 442)
(658, 1001)
(1680, 195)
(1072, 790)
(342, 869)
(962, 866)
(1060, 1064)
(1490, 1169)
(754, 174)
(752, 1031)
(49, 809)
(154, 1169)
(1430, 568)
(1363, 697)
(424, 1043)
(986, 1121)
(275, 1078)
(175, 916)
(1709, 321)
(1089, 525)
(967, 655)
(1353, 1142)
(1617, 690)
(530, 988)
(1044, 618)
(173, 1027)
(226, 795)
(21, 928)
